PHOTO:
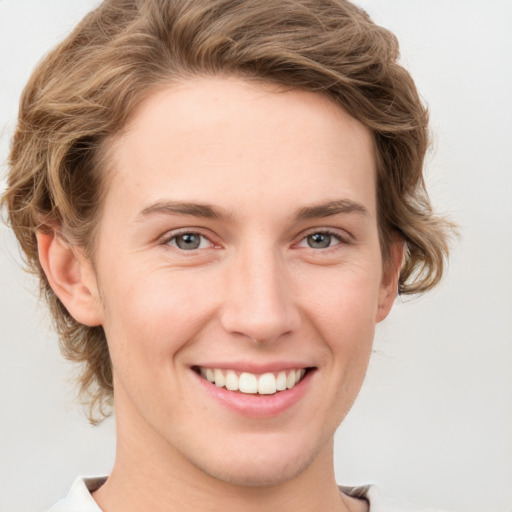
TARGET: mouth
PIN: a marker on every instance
(268, 383)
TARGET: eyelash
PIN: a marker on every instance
(341, 240)
(170, 240)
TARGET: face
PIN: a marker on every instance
(240, 276)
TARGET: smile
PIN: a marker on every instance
(245, 382)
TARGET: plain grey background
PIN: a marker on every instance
(433, 423)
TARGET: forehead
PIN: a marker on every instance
(201, 138)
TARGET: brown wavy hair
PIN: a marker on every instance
(85, 90)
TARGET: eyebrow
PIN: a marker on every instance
(331, 208)
(342, 206)
(184, 208)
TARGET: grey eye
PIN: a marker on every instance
(188, 241)
(319, 240)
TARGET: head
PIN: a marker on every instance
(81, 101)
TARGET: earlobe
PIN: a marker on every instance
(71, 277)
(390, 277)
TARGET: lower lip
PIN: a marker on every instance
(255, 405)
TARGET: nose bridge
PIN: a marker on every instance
(259, 300)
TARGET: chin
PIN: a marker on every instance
(258, 474)
(260, 468)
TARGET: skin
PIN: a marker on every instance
(253, 291)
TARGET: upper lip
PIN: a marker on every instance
(256, 368)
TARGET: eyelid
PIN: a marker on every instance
(173, 234)
(342, 236)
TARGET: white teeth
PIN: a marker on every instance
(267, 384)
(245, 382)
(220, 380)
(248, 383)
(231, 381)
(281, 381)
(290, 380)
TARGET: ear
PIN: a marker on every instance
(71, 276)
(390, 275)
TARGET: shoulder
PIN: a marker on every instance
(79, 498)
(380, 501)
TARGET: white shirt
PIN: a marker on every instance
(79, 498)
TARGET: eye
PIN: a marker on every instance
(320, 240)
(189, 241)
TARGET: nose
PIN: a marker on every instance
(258, 298)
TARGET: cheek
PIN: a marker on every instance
(343, 318)
(343, 302)
(152, 316)
(343, 315)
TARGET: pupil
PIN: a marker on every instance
(319, 240)
(188, 241)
